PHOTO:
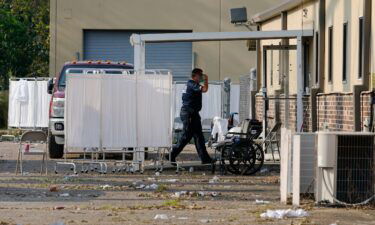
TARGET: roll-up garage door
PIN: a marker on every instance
(115, 46)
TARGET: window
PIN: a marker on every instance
(271, 70)
(360, 48)
(316, 58)
(345, 51)
(330, 53)
(306, 72)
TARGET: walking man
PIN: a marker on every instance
(192, 127)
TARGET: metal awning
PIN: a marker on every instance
(139, 42)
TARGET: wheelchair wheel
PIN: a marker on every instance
(259, 159)
(242, 158)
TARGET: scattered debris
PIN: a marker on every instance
(205, 221)
(284, 213)
(64, 195)
(182, 218)
(152, 187)
(106, 187)
(215, 179)
(157, 174)
(141, 186)
(160, 217)
(195, 194)
(147, 187)
(264, 170)
(59, 207)
(191, 169)
(53, 188)
(261, 202)
(70, 177)
(171, 180)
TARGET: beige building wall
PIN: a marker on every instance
(300, 18)
(219, 59)
(337, 13)
(372, 53)
(273, 62)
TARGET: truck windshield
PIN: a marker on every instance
(77, 69)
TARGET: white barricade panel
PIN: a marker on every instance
(28, 104)
(211, 102)
(154, 110)
(42, 101)
(119, 101)
(235, 98)
(82, 111)
(14, 106)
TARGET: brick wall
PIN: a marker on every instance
(365, 107)
(292, 112)
(334, 109)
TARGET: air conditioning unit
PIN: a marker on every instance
(345, 167)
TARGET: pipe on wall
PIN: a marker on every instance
(358, 89)
(285, 69)
(319, 84)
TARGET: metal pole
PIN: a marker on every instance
(264, 91)
(299, 84)
(139, 52)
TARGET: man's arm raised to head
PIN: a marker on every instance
(205, 86)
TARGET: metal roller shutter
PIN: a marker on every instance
(115, 46)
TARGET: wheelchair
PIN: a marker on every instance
(239, 154)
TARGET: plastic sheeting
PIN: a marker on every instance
(211, 104)
(82, 111)
(154, 112)
(134, 110)
(220, 128)
(28, 104)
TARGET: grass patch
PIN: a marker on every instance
(172, 203)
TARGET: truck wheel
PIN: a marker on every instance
(55, 150)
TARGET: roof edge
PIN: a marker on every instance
(277, 10)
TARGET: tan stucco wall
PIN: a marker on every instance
(372, 53)
(273, 64)
(296, 20)
(337, 13)
(219, 59)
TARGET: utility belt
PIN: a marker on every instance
(188, 110)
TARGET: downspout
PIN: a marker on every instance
(258, 72)
(285, 69)
(264, 92)
(321, 65)
(357, 89)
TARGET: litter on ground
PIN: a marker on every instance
(284, 213)
(160, 217)
(215, 179)
(261, 202)
(64, 195)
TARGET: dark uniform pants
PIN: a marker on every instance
(192, 127)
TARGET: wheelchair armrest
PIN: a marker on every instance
(237, 133)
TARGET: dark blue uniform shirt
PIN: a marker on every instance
(192, 97)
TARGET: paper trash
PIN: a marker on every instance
(284, 213)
